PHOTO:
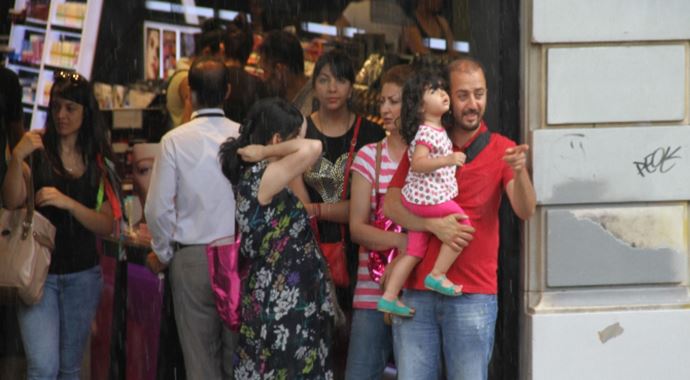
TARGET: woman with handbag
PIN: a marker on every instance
(69, 178)
(342, 134)
(371, 340)
(288, 305)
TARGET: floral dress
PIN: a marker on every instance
(287, 304)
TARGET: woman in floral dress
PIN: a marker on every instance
(287, 304)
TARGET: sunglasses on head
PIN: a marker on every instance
(72, 76)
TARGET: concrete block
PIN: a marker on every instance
(616, 84)
(610, 20)
(640, 344)
(616, 246)
(633, 164)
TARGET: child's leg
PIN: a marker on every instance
(399, 273)
(446, 258)
(389, 302)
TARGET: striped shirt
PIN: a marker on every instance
(367, 292)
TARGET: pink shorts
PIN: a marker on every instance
(417, 241)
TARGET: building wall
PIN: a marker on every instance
(606, 109)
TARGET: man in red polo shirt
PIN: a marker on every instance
(461, 328)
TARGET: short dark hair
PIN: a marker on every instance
(239, 39)
(465, 62)
(212, 34)
(208, 80)
(398, 74)
(340, 63)
(283, 47)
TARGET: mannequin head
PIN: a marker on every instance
(143, 156)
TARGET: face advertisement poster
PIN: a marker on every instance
(169, 52)
(152, 53)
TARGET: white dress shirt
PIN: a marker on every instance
(189, 200)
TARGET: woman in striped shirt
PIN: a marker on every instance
(371, 341)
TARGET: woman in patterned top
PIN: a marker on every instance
(429, 187)
(287, 303)
(339, 129)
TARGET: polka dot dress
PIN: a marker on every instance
(435, 187)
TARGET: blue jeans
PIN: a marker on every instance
(462, 328)
(371, 344)
(55, 330)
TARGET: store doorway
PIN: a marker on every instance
(494, 35)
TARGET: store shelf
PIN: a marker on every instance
(31, 27)
(57, 33)
(56, 66)
(67, 28)
(24, 66)
(40, 47)
(36, 21)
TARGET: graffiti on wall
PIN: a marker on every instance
(598, 165)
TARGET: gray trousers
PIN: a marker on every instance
(207, 344)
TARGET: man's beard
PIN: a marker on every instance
(469, 127)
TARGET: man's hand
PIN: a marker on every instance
(516, 158)
(154, 264)
(252, 153)
(450, 231)
(458, 158)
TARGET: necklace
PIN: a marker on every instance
(322, 125)
(71, 166)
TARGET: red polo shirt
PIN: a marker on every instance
(481, 184)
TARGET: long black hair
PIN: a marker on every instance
(266, 118)
(92, 137)
(413, 100)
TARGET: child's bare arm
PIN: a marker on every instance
(422, 163)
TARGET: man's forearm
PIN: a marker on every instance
(393, 208)
(524, 199)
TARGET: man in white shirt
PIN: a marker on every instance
(190, 204)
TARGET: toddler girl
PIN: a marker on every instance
(430, 186)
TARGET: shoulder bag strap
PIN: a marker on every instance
(377, 172)
(477, 146)
(350, 157)
(30, 205)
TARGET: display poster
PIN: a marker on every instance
(169, 52)
(152, 56)
(186, 44)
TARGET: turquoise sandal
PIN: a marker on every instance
(392, 307)
(437, 285)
